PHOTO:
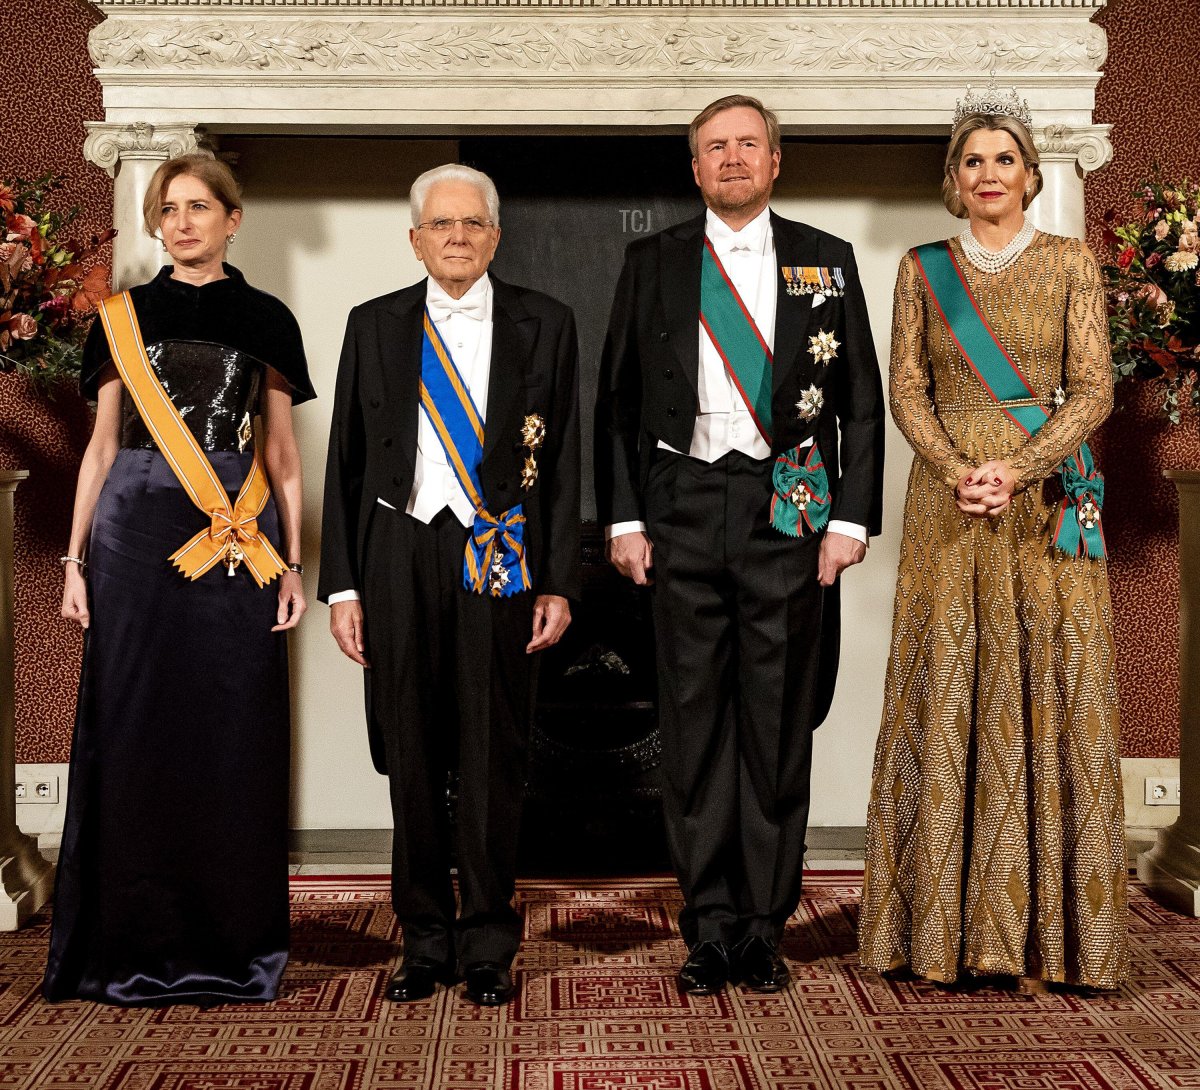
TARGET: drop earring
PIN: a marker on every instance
(229, 238)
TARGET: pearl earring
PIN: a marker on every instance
(229, 238)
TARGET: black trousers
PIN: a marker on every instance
(450, 688)
(737, 611)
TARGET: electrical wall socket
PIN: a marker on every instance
(43, 789)
(1162, 790)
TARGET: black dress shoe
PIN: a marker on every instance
(415, 980)
(706, 970)
(489, 984)
(759, 966)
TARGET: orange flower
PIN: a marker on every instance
(92, 288)
(20, 227)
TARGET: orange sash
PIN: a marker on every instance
(232, 536)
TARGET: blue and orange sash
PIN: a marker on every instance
(1077, 530)
(495, 555)
(741, 346)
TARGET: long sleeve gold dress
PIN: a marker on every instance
(995, 830)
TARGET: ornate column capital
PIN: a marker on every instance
(107, 144)
(1087, 146)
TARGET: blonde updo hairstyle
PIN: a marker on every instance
(201, 165)
(992, 123)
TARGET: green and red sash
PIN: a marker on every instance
(1077, 530)
(742, 348)
(494, 560)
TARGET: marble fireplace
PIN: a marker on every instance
(330, 108)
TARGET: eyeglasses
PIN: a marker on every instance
(471, 225)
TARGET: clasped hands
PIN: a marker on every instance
(987, 491)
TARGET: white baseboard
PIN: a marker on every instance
(35, 818)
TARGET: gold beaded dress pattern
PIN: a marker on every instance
(995, 832)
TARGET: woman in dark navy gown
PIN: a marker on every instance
(172, 880)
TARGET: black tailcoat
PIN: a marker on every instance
(451, 688)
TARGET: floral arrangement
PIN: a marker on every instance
(47, 294)
(1154, 291)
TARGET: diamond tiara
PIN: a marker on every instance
(992, 101)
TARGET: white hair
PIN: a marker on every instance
(454, 172)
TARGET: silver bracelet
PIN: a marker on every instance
(65, 560)
(297, 568)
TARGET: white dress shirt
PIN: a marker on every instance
(466, 326)
(723, 420)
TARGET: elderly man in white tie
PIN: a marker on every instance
(449, 554)
(739, 465)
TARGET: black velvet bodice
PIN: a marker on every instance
(215, 389)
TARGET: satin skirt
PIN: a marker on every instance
(172, 879)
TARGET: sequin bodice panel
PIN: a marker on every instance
(215, 389)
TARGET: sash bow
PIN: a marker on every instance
(496, 554)
(801, 493)
(1079, 530)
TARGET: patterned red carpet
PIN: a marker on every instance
(598, 1011)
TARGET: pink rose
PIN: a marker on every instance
(1189, 241)
(23, 327)
(16, 257)
(1161, 229)
(1151, 294)
(1153, 260)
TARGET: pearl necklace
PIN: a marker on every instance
(992, 261)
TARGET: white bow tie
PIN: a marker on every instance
(440, 310)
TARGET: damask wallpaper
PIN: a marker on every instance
(1148, 94)
(48, 93)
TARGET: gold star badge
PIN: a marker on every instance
(529, 473)
(533, 431)
(823, 346)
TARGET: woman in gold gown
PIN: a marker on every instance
(995, 831)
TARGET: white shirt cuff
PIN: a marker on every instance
(344, 595)
(836, 526)
(620, 529)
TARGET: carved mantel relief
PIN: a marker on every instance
(862, 67)
(749, 46)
